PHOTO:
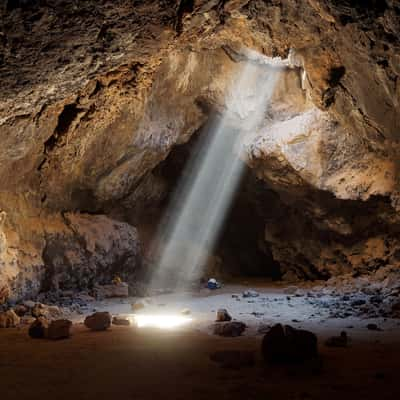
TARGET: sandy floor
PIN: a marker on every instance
(132, 363)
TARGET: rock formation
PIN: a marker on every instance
(96, 95)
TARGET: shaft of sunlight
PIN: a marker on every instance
(204, 195)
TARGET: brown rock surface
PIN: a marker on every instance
(99, 321)
(59, 329)
(95, 95)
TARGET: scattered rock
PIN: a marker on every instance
(38, 329)
(337, 341)
(9, 319)
(121, 321)
(223, 315)
(287, 344)
(59, 329)
(99, 321)
(229, 329)
(250, 293)
(185, 311)
(234, 359)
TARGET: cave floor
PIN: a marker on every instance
(148, 363)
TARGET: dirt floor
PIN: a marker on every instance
(149, 363)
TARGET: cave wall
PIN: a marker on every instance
(95, 94)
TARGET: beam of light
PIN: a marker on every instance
(160, 321)
(204, 194)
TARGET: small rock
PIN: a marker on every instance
(373, 327)
(185, 311)
(99, 321)
(59, 329)
(38, 310)
(38, 329)
(121, 321)
(250, 293)
(234, 359)
(337, 341)
(287, 344)
(20, 310)
(223, 315)
(138, 305)
(229, 329)
(9, 319)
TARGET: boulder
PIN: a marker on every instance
(59, 329)
(9, 319)
(20, 310)
(38, 328)
(99, 321)
(223, 315)
(229, 329)
(287, 344)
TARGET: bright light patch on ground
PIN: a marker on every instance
(161, 321)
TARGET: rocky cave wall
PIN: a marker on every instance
(95, 95)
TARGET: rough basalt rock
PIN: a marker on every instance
(59, 329)
(9, 319)
(99, 321)
(287, 344)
